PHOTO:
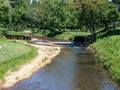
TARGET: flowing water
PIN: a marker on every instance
(74, 68)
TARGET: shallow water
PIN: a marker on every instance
(73, 69)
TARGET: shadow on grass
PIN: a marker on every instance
(54, 33)
(106, 33)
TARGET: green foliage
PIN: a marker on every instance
(17, 15)
(4, 12)
(117, 3)
(66, 34)
(51, 15)
(108, 53)
(1, 33)
(98, 13)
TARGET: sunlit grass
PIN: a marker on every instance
(16, 33)
(108, 53)
(13, 55)
(70, 35)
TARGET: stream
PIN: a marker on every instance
(74, 68)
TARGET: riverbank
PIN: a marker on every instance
(45, 54)
(13, 54)
(73, 69)
(107, 53)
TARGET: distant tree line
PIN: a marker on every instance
(18, 15)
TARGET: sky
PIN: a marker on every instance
(31, 1)
(110, 0)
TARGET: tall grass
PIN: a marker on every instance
(108, 53)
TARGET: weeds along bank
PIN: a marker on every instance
(14, 54)
(108, 53)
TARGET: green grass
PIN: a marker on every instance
(107, 50)
(13, 55)
(70, 35)
(67, 34)
(12, 50)
(16, 33)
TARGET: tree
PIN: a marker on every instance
(117, 3)
(108, 14)
(18, 14)
(58, 14)
(4, 13)
(94, 12)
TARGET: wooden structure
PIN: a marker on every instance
(18, 37)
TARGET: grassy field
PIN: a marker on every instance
(107, 50)
(16, 33)
(13, 55)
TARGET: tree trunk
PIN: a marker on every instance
(105, 25)
(114, 25)
(92, 30)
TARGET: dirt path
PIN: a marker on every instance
(46, 52)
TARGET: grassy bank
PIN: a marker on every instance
(66, 34)
(4, 32)
(13, 55)
(16, 33)
(107, 50)
(69, 35)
